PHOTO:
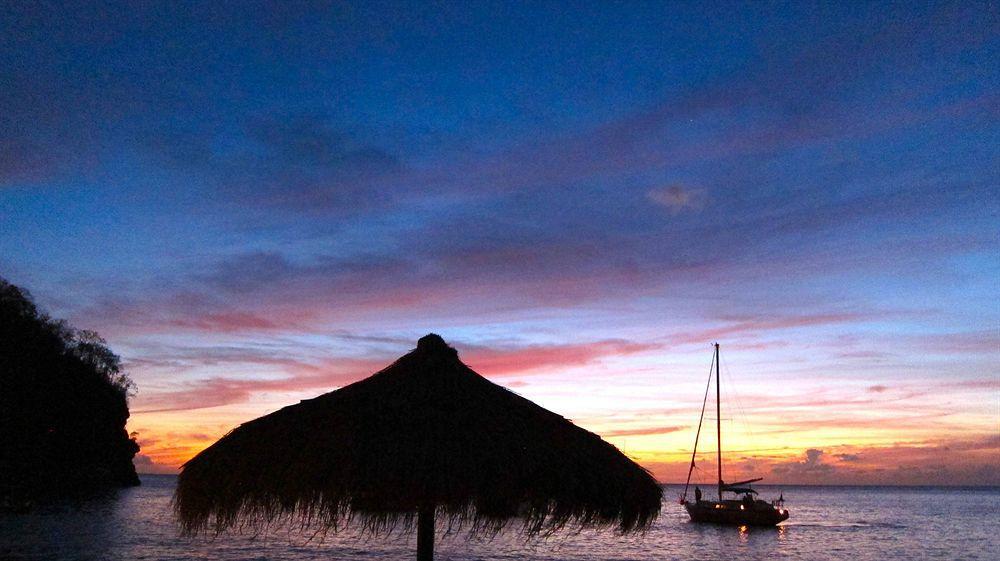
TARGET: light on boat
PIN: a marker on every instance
(742, 507)
(718, 506)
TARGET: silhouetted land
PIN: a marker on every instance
(63, 407)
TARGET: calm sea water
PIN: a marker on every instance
(856, 523)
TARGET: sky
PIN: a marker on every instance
(256, 204)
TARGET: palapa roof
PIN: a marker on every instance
(427, 430)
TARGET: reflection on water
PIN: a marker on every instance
(827, 523)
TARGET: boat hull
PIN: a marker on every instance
(729, 513)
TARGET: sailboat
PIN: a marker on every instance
(749, 510)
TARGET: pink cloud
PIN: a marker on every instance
(968, 342)
(507, 361)
(231, 321)
(754, 325)
(644, 431)
(334, 372)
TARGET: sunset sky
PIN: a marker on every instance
(255, 205)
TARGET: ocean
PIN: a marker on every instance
(855, 523)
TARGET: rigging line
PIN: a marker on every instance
(697, 433)
(701, 473)
(745, 418)
(730, 396)
(739, 414)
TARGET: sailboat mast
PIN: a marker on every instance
(718, 416)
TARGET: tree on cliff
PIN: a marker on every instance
(63, 406)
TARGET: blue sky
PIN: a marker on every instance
(255, 203)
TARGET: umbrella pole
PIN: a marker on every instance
(425, 534)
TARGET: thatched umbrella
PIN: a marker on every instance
(424, 436)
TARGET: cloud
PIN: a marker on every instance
(985, 342)
(520, 360)
(256, 272)
(167, 449)
(146, 464)
(330, 372)
(469, 274)
(263, 291)
(812, 466)
(878, 388)
(676, 198)
(942, 461)
(299, 162)
(258, 291)
(220, 391)
(739, 327)
(230, 321)
(989, 383)
(643, 431)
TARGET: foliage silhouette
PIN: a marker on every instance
(63, 407)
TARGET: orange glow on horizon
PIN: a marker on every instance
(839, 438)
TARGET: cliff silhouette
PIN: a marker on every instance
(63, 407)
